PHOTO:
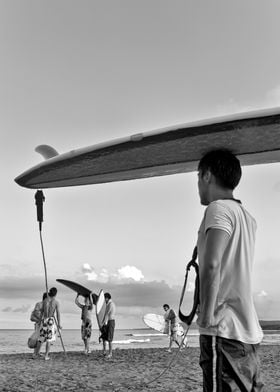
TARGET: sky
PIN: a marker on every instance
(77, 73)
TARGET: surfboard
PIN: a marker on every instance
(253, 136)
(100, 308)
(78, 288)
(157, 322)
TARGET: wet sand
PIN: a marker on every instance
(128, 370)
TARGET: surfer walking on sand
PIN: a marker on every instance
(228, 324)
(48, 325)
(107, 331)
(86, 317)
(172, 325)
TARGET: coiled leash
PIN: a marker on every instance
(39, 200)
(187, 319)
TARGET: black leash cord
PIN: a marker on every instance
(172, 359)
(187, 319)
(39, 200)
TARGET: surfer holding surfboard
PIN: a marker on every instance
(86, 317)
(228, 324)
(172, 324)
(108, 328)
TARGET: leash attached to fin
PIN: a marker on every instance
(187, 319)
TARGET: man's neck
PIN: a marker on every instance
(221, 193)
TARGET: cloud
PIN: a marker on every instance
(262, 294)
(130, 272)
(124, 274)
(22, 309)
(7, 309)
(127, 286)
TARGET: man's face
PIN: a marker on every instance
(203, 187)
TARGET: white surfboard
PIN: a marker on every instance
(254, 137)
(100, 308)
(157, 322)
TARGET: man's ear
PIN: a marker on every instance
(207, 176)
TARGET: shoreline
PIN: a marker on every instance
(129, 369)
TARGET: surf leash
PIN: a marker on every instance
(187, 319)
(39, 200)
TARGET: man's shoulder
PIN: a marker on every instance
(223, 206)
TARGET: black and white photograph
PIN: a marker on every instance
(140, 194)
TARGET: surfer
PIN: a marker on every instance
(107, 331)
(172, 325)
(227, 320)
(86, 317)
(36, 317)
(48, 325)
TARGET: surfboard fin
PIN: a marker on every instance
(46, 151)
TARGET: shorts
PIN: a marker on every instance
(86, 329)
(230, 364)
(107, 331)
(47, 330)
(174, 332)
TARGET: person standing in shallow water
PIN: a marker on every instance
(48, 328)
(86, 317)
(228, 324)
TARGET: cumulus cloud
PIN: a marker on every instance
(130, 272)
(124, 274)
(89, 272)
(262, 294)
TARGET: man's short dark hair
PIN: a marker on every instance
(224, 165)
(45, 296)
(166, 306)
(53, 292)
(107, 295)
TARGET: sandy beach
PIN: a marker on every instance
(129, 370)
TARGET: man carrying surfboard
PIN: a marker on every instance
(86, 317)
(172, 325)
(229, 328)
(107, 332)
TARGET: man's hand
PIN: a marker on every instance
(206, 321)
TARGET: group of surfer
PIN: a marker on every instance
(108, 328)
(46, 316)
(228, 324)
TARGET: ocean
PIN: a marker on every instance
(13, 341)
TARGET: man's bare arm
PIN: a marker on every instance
(216, 242)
